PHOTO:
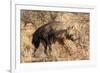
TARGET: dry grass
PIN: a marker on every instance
(75, 50)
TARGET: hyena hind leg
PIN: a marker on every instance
(33, 54)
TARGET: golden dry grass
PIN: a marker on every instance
(76, 50)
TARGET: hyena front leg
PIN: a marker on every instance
(66, 47)
(50, 49)
(67, 50)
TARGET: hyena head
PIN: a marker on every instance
(72, 33)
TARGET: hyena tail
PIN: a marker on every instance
(36, 40)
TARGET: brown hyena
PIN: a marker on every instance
(47, 35)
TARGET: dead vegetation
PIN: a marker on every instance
(74, 50)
